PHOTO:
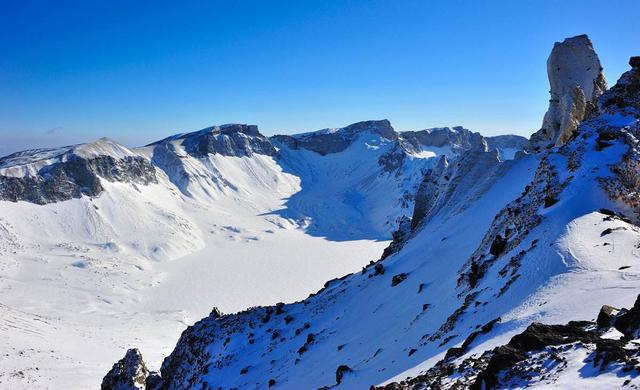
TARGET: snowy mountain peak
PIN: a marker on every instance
(328, 141)
(227, 140)
(576, 80)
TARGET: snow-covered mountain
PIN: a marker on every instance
(105, 247)
(495, 249)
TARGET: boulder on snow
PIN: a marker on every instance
(606, 316)
(397, 279)
(340, 371)
(628, 322)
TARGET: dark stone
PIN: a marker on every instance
(154, 381)
(340, 371)
(629, 322)
(272, 382)
(215, 313)
(129, 373)
(549, 201)
(379, 269)
(634, 62)
(397, 279)
(606, 315)
(498, 245)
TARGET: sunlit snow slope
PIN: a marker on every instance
(103, 247)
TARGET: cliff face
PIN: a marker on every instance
(576, 81)
(51, 175)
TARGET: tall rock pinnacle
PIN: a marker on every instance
(576, 81)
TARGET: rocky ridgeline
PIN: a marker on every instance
(227, 140)
(52, 175)
(540, 354)
(330, 141)
(70, 172)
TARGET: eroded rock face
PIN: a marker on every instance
(457, 137)
(129, 373)
(44, 176)
(576, 81)
(336, 140)
(228, 140)
(625, 95)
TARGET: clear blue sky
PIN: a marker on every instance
(138, 71)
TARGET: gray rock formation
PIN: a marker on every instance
(456, 137)
(44, 176)
(228, 140)
(624, 95)
(576, 81)
(129, 373)
(336, 140)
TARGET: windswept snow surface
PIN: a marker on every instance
(85, 279)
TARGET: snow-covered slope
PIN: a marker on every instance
(104, 247)
(495, 245)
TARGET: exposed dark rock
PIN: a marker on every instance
(72, 175)
(606, 316)
(336, 140)
(518, 360)
(228, 140)
(216, 313)
(154, 381)
(628, 322)
(498, 245)
(129, 373)
(397, 279)
(341, 371)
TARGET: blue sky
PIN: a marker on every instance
(139, 71)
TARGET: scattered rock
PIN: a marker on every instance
(341, 371)
(397, 279)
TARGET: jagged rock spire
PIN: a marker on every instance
(129, 373)
(576, 81)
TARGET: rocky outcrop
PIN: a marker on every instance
(623, 99)
(537, 355)
(336, 140)
(129, 373)
(576, 81)
(625, 95)
(456, 137)
(228, 140)
(51, 175)
(507, 141)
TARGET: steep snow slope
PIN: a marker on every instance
(502, 244)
